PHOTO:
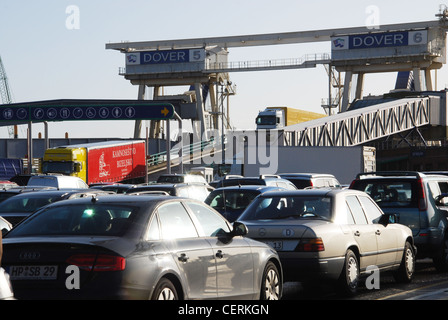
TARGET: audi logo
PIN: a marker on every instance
(31, 255)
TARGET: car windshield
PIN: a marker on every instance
(390, 193)
(289, 207)
(79, 219)
(26, 204)
(231, 199)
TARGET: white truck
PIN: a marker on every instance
(280, 117)
(343, 162)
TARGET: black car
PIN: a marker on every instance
(196, 191)
(232, 201)
(137, 247)
(117, 188)
(262, 180)
(20, 206)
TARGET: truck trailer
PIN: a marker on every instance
(280, 117)
(98, 162)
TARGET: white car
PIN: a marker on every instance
(331, 234)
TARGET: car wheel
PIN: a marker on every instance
(271, 285)
(349, 278)
(165, 290)
(441, 261)
(407, 267)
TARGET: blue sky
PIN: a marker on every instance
(45, 60)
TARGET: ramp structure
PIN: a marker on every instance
(366, 124)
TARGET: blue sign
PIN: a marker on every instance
(158, 111)
(378, 40)
(165, 56)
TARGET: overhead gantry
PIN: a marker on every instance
(202, 63)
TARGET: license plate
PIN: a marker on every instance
(33, 272)
(277, 245)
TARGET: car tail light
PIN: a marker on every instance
(352, 184)
(421, 195)
(102, 262)
(310, 245)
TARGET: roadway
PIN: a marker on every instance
(428, 284)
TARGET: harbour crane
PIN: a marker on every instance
(5, 94)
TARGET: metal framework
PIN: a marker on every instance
(360, 126)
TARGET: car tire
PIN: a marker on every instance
(165, 290)
(271, 283)
(441, 261)
(406, 270)
(349, 278)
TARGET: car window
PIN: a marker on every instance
(175, 222)
(153, 230)
(356, 210)
(390, 193)
(371, 210)
(345, 217)
(210, 222)
(77, 220)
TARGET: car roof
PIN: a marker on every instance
(39, 193)
(248, 187)
(122, 199)
(306, 175)
(397, 174)
(311, 192)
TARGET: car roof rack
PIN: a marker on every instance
(389, 174)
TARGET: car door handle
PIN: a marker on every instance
(357, 233)
(219, 254)
(183, 257)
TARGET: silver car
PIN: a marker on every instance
(331, 234)
(137, 247)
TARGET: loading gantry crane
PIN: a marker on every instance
(5, 94)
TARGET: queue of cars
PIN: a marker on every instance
(238, 241)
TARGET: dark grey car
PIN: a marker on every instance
(143, 247)
(419, 201)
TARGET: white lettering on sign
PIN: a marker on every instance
(379, 40)
(123, 152)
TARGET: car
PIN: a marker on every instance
(197, 191)
(138, 247)
(312, 180)
(263, 180)
(20, 206)
(415, 198)
(6, 184)
(57, 181)
(116, 187)
(332, 235)
(232, 201)
(5, 194)
(181, 178)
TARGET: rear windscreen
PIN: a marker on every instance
(390, 193)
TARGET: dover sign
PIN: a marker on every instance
(380, 40)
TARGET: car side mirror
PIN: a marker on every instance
(439, 199)
(77, 167)
(388, 218)
(239, 229)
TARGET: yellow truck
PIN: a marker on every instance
(280, 117)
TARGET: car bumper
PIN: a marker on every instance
(313, 268)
